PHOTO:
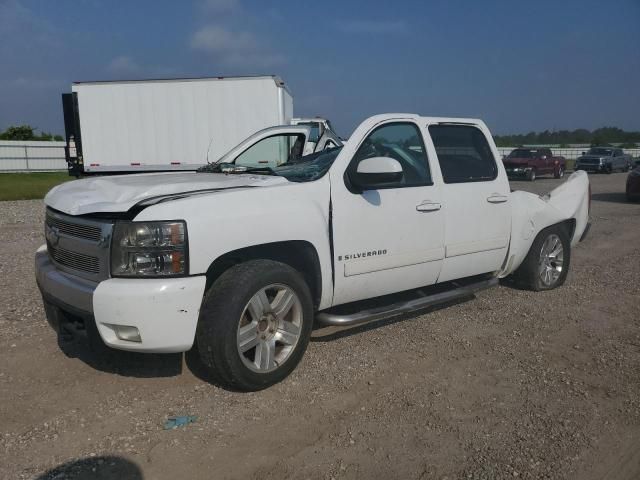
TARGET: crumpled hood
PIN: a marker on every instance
(120, 193)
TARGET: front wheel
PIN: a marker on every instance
(559, 173)
(531, 175)
(255, 324)
(546, 265)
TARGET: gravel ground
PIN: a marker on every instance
(512, 384)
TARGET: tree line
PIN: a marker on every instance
(563, 138)
(27, 132)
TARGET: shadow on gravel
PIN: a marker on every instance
(127, 364)
(335, 333)
(95, 468)
(613, 197)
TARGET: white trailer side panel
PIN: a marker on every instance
(170, 125)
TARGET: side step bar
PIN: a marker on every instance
(364, 316)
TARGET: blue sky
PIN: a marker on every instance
(519, 65)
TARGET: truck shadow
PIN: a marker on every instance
(126, 364)
(95, 468)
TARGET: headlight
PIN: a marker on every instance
(149, 249)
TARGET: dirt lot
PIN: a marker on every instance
(511, 384)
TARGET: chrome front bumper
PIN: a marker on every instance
(61, 288)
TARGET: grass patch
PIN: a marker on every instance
(27, 186)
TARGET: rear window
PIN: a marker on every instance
(463, 153)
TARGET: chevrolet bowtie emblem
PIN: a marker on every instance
(52, 235)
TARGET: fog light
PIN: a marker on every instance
(127, 333)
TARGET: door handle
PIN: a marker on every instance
(428, 206)
(497, 198)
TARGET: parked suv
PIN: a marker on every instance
(532, 162)
(604, 159)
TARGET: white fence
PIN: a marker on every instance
(29, 156)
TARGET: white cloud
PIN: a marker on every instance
(216, 39)
(221, 6)
(235, 48)
(373, 26)
(124, 65)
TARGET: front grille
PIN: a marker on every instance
(88, 232)
(79, 245)
(589, 161)
(75, 260)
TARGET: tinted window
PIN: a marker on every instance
(464, 154)
(272, 151)
(402, 142)
(521, 153)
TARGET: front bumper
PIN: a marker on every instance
(517, 171)
(590, 167)
(164, 311)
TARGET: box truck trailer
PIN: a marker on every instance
(165, 125)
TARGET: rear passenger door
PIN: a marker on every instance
(475, 201)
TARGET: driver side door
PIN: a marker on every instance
(391, 238)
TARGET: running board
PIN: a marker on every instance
(364, 316)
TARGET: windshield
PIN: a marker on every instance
(308, 168)
(600, 151)
(521, 153)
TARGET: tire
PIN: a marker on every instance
(531, 273)
(531, 175)
(608, 169)
(245, 299)
(559, 173)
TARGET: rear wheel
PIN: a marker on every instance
(255, 323)
(546, 265)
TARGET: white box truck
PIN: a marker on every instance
(163, 125)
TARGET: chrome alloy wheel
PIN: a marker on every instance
(551, 260)
(270, 327)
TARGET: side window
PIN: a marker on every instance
(272, 151)
(619, 153)
(464, 154)
(402, 142)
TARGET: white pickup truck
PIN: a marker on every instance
(411, 211)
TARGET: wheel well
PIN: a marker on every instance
(570, 225)
(298, 254)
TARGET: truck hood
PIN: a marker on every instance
(120, 193)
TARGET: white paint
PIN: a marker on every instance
(26, 156)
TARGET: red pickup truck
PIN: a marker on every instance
(531, 162)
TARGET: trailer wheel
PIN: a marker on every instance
(546, 265)
(255, 323)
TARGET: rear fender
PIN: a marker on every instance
(532, 213)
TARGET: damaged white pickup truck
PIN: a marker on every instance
(241, 259)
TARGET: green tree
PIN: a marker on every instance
(22, 132)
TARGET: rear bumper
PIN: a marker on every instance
(164, 311)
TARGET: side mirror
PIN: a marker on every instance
(376, 172)
(544, 157)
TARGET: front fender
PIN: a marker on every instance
(226, 221)
(532, 213)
